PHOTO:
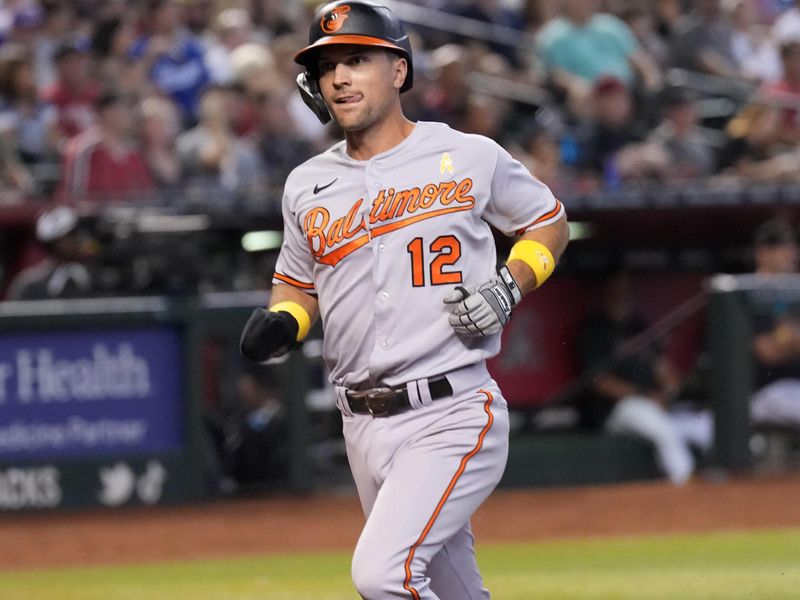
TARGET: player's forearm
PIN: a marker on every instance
(555, 238)
(288, 293)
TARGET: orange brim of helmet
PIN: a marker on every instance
(356, 40)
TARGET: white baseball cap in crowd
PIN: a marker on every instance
(55, 223)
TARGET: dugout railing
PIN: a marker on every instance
(735, 302)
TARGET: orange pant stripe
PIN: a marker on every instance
(462, 467)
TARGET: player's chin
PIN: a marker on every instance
(345, 112)
(350, 121)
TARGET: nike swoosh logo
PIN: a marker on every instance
(319, 188)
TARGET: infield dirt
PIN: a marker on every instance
(332, 522)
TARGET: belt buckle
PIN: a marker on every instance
(378, 401)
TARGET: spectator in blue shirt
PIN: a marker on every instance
(613, 140)
(582, 45)
(174, 58)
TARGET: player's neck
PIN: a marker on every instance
(380, 137)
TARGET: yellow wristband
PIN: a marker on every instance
(300, 315)
(537, 256)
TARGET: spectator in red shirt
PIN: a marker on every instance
(786, 91)
(74, 92)
(103, 163)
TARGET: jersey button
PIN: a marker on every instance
(384, 295)
(385, 344)
(382, 248)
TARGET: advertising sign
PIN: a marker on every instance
(68, 394)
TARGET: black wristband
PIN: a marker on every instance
(507, 278)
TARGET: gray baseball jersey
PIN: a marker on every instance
(382, 241)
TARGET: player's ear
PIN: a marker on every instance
(400, 67)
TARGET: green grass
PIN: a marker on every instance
(762, 565)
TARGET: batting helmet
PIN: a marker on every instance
(359, 22)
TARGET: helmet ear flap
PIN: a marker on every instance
(309, 92)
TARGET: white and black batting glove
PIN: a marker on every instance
(484, 310)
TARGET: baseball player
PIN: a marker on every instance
(388, 239)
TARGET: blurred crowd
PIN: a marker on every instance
(128, 100)
(193, 103)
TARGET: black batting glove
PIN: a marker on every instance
(268, 335)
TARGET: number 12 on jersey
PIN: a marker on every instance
(446, 250)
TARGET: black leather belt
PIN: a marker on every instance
(386, 401)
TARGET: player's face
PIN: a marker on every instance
(360, 84)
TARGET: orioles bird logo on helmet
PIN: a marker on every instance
(333, 21)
